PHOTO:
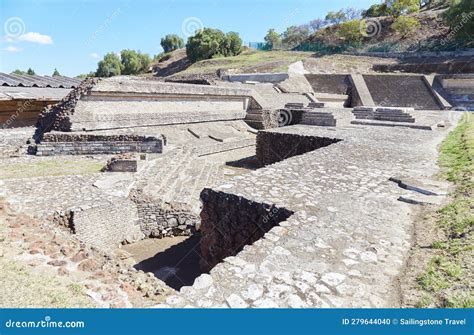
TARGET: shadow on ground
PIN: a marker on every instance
(177, 266)
(249, 163)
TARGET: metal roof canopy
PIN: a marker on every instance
(38, 81)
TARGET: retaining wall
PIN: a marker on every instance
(329, 83)
(260, 77)
(230, 222)
(85, 144)
(401, 91)
(159, 219)
(275, 147)
(108, 225)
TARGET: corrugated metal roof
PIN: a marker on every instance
(14, 80)
(32, 93)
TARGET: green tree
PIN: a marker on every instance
(402, 7)
(30, 71)
(376, 10)
(272, 39)
(56, 73)
(109, 66)
(404, 25)
(171, 42)
(460, 17)
(351, 31)
(86, 75)
(205, 44)
(232, 45)
(145, 61)
(19, 72)
(336, 17)
(131, 63)
(316, 24)
(134, 62)
(295, 35)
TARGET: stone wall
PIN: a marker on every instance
(401, 91)
(89, 137)
(329, 83)
(122, 102)
(159, 219)
(106, 226)
(259, 77)
(436, 66)
(418, 54)
(275, 147)
(230, 222)
(90, 144)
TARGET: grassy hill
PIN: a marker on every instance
(249, 60)
(432, 34)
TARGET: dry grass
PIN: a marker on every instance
(50, 167)
(250, 61)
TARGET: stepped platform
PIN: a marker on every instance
(318, 119)
(383, 114)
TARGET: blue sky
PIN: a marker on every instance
(73, 35)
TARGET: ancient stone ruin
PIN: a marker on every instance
(260, 190)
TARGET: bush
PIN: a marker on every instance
(19, 72)
(109, 66)
(405, 25)
(208, 43)
(172, 42)
(351, 31)
(460, 17)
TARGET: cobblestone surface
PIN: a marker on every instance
(348, 239)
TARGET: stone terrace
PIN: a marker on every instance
(348, 238)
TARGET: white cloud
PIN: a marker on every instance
(95, 55)
(35, 38)
(12, 49)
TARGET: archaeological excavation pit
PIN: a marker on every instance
(227, 222)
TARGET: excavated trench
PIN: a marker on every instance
(227, 222)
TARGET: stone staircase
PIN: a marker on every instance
(383, 114)
(262, 118)
(178, 176)
(301, 114)
(461, 91)
(311, 118)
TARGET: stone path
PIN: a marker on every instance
(42, 196)
(349, 237)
